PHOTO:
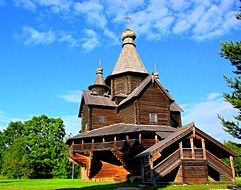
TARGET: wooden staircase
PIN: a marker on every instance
(218, 165)
(129, 163)
(167, 165)
(111, 172)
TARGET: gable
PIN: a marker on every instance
(94, 100)
(143, 86)
(184, 132)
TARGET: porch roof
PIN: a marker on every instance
(179, 134)
(122, 128)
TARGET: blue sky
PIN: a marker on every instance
(49, 52)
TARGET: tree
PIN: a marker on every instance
(232, 52)
(237, 160)
(35, 149)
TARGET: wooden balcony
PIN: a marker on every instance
(112, 145)
(196, 153)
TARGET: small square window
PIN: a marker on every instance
(153, 117)
(101, 119)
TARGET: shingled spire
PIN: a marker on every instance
(129, 71)
(99, 87)
(129, 60)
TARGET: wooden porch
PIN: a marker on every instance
(186, 165)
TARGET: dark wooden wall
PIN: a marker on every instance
(125, 84)
(85, 118)
(127, 113)
(154, 101)
(176, 116)
(110, 117)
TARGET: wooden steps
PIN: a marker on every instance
(218, 165)
(108, 171)
(126, 159)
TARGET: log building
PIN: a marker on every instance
(131, 127)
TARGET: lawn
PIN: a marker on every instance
(76, 184)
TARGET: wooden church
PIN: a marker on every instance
(131, 128)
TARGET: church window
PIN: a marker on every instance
(101, 119)
(153, 117)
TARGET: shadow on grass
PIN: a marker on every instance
(234, 186)
(122, 186)
(8, 181)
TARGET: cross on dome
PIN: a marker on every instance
(128, 22)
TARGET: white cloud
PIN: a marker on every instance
(5, 120)
(181, 26)
(55, 6)
(32, 36)
(90, 41)
(73, 96)
(69, 39)
(195, 19)
(93, 12)
(72, 124)
(25, 4)
(205, 115)
(212, 96)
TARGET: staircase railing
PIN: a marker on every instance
(219, 165)
(168, 164)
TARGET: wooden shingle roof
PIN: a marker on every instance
(121, 128)
(129, 60)
(97, 100)
(179, 134)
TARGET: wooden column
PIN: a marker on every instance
(82, 143)
(115, 142)
(232, 167)
(204, 149)
(156, 140)
(181, 150)
(127, 139)
(92, 145)
(142, 170)
(103, 143)
(192, 148)
(140, 138)
(151, 168)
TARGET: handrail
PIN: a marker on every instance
(106, 145)
(167, 165)
(171, 158)
(219, 165)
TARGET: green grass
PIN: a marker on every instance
(76, 184)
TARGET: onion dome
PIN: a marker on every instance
(99, 87)
(129, 60)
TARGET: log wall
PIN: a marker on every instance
(109, 115)
(127, 113)
(85, 119)
(195, 171)
(154, 101)
(176, 116)
(125, 84)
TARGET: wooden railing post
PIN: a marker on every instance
(233, 170)
(156, 139)
(192, 148)
(127, 139)
(115, 142)
(151, 168)
(204, 149)
(140, 138)
(82, 143)
(181, 150)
